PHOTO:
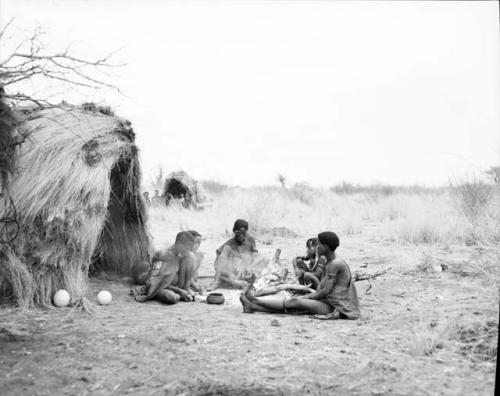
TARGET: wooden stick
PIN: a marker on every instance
(365, 276)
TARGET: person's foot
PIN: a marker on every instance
(141, 299)
(247, 305)
(331, 316)
(247, 292)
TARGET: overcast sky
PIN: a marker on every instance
(392, 92)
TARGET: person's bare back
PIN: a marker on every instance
(339, 267)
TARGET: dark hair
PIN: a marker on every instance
(329, 239)
(184, 237)
(239, 224)
(195, 233)
(312, 242)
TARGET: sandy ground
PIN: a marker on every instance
(409, 340)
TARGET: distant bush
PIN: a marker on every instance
(473, 197)
(377, 190)
(214, 187)
(303, 192)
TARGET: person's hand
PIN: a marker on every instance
(140, 298)
(306, 296)
(186, 295)
(299, 273)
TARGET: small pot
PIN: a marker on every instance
(215, 298)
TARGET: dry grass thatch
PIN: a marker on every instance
(76, 192)
(8, 123)
(180, 185)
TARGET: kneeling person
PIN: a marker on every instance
(171, 276)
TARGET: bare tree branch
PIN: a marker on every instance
(30, 61)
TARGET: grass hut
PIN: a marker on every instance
(77, 201)
(179, 185)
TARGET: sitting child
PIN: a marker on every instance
(308, 269)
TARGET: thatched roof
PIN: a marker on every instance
(8, 124)
(76, 193)
(179, 184)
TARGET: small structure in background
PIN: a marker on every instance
(181, 187)
(494, 172)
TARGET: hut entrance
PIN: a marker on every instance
(177, 190)
(182, 187)
(124, 243)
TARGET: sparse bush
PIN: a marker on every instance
(343, 188)
(257, 212)
(302, 192)
(214, 187)
(478, 341)
(473, 198)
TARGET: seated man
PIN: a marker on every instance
(235, 259)
(307, 269)
(336, 296)
(172, 273)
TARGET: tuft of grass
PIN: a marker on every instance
(428, 336)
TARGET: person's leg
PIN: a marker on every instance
(187, 268)
(250, 307)
(279, 304)
(167, 297)
(220, 267)
(284, 286)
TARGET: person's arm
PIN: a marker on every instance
(253, 245)
(185, 294)
(326, 284)
(163, 280)
(319, 267)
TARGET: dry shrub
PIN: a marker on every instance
(478, 340)
(213, 187)
(221, 388)
(303, 192)
(429, 264)
(427, 337)
(474, 337)
(258, 212)
(473, 197)
(417, 229)
(483, 263)
(349, 225)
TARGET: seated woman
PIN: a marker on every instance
(236, 259)
(336, 295)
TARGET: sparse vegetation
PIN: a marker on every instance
(213, 187)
